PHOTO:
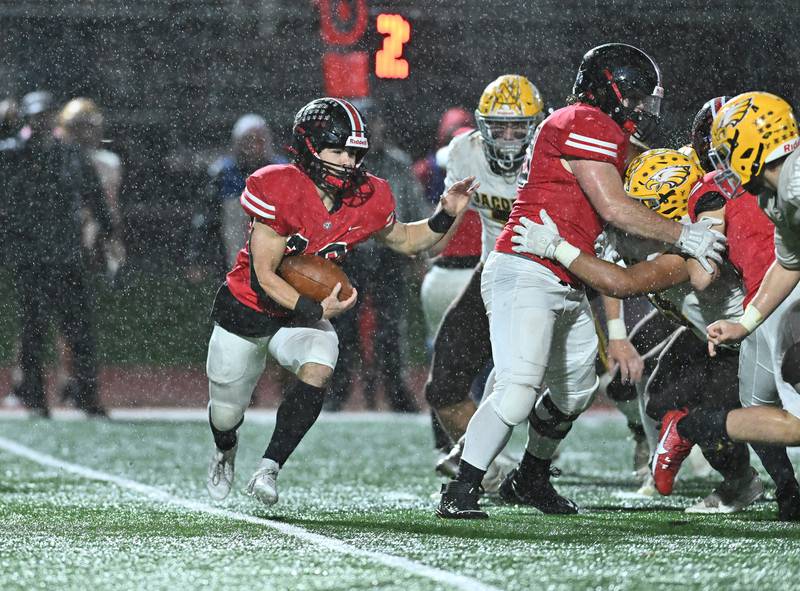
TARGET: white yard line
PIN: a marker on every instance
(415, 568)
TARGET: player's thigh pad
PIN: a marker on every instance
(233, 366)
(571, 374)
(294, 347)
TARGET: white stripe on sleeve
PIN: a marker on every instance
(253, 208)
(591, 140)
(253, 199)
(590, 148)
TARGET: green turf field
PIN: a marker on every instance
(122, 505)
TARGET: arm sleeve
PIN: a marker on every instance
(709, 201)
(591, 139)
(266, 209)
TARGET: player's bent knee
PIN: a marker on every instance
(579, 400)
(225, 416)
(514, 403)
(315, 374)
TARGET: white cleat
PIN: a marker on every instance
(220, 473)
(263, 485)
(731, 495)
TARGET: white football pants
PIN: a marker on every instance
(235, 364)
(439, 289)
(541, 330)
(761, 356)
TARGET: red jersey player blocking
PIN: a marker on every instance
(323, 204)
(541, 325)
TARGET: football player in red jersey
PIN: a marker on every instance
(540, 322)
(323, 204)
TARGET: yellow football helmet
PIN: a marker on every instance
(507, 115)
(662, 180)
(749, 131)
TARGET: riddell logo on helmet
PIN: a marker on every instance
(356, 142)
(791, 146)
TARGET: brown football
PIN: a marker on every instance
(314, 277)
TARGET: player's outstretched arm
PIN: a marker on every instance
(609, 279)
(412, 238)
(602, 185)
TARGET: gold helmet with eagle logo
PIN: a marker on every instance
(750, 131)
(507, 115)
(662, 180)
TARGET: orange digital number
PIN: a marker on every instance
(389, 62)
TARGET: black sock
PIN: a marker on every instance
(705, 427)
(469, 473)
(299, 410)
(731, 460)
(224, 440)
(533, 468)
(777, 464)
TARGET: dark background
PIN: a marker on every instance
(173, 76)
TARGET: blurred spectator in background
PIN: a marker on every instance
(382, 277)
(9, 119)
(430, 170)
(46, 183)
(9, 127)
(220, 224)
(81, 123)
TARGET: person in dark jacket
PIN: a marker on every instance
(46, 183)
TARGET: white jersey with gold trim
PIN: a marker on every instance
(495, 196)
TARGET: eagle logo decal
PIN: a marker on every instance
(670, 177)
(735, 113)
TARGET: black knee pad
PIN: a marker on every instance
(548, 421)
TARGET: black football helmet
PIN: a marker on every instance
(331, 123)
(624, 82)
(701, 130)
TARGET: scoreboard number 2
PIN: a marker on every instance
(389, 62)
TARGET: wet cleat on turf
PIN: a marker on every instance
(220, 473)
(460, 501)
(670, 452)
(263, 485)
(538, 493)
(788, 503)
(731, 495)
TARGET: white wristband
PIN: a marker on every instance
(565, 253)
(616, 329)
(751, 318)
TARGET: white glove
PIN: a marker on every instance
(699, 241)
(604, 249)
(539, 239)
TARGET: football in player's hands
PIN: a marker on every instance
(314, 277)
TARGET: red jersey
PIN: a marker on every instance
(285, 199)
(750, 232)
(578, 131)
(466, 242)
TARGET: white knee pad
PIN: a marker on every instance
(225, 416)
(575, 402)
(513, 403)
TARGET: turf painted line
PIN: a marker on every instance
(415, 568)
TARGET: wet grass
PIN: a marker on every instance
(366, 483)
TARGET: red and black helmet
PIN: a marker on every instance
(624, 82)
(330, 123)
(701, 130)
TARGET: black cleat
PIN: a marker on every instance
(536, 493)
(460, 501)
(788, 503)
